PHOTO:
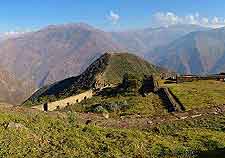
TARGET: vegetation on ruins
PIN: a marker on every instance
(122, 105)
(109, 69)
(119, 64)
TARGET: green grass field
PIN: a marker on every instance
(61, 135)
(64, 134)
(199, 94)
(145, 106)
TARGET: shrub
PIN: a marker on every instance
(72, 119)
(99, 109)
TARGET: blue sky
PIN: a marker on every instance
(21, 15)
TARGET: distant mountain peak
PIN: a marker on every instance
(69, 26)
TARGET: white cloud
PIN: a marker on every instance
(215, 20)
(170, 18)
(205, 21)
(165, 19)
(11, 34)
(113, 17)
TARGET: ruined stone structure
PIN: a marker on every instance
(101, 84)
(190, 78)
(171, 75)
(65, 102)
(170, 100)
(150, 84)
(131, 83)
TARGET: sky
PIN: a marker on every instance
(27, 15)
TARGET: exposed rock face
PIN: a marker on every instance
(15, 125)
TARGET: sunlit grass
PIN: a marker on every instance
(145, 106)
(198, 94)
(51, 135)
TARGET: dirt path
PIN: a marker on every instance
(67, 101)
(140, 122)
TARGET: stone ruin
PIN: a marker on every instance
(131, 83)
(190, 78)
(138, 85)
(150, 84)
(101, 84)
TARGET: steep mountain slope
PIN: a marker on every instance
(145, 40)
(12, 90)
(55, 52)
(108, 69)
(198, 52)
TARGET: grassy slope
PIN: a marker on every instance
(199, 94)
(117, 66)
(60, 135)
(120, 64)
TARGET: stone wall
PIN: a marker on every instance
(150, 84)
(67, 101)
(190, 78)
(172, 103)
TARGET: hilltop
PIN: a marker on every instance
(108, 70)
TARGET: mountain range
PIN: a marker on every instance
(143, 41)
(57, 52)
(60, 51)
(200, 52)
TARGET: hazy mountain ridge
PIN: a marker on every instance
(145, 40)
(198, 52)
